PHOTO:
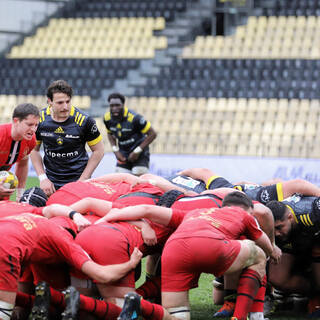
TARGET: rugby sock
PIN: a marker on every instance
(258, 301)
(248, 286)
(100, 308)
(151, 310)
(151, 288)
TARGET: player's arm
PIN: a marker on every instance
(45, 184)
(266, 221)
(113, 272)
(163, 183)
(156, 214)
(59, 210)
(202, 174)
(116, 177)
(148, 234)
(150, 135)
(301, 186)
(94, 159)
(97, 206)
(21, 171)
(115, 148)
(264, 243)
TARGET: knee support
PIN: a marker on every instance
(180, 312)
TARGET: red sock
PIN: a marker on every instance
(258, 301)
(151, 310)
(100, 308)
(248, 286)
(150, 289)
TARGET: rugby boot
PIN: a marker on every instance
(131, 307)
(40, 310)
(72, 300)
(226, 310)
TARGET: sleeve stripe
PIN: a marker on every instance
(309, 220)
(146, 128)
(279, 191)
(95, 141)
(38, 142)
(294, 215)
(210, 180)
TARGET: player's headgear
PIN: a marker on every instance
(168, 198)
(34, 196)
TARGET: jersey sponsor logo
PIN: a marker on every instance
(66, 155)
(265, 196)
(186, 182)
(59, 130)
(317, 204)
(123, 143)
(250, 186)
(60, 141)
(126, 129)
(46, 134)
(295, 198)
(72, 137)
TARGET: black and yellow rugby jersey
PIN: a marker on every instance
(65, 156)
(129, 132)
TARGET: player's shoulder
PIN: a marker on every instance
(80, 117)
(131, 115)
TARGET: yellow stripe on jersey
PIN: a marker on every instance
(76, 117)
(95, 141)
(238, 188)
(41, 116)
(72, 111)
(38, 142)
(279, 191)
(304, 220)
(82, 119)
(130, 117)
(146, 128)
(107, 116)
(48, 111)
(308, 218)
(293, 214)
(210, 180)
(125, 111)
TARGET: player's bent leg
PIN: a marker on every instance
(177, 304)
(114, 294)
(139, 170)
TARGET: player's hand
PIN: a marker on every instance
(47, 186)
(276, 254)
(135, 257)
(4, 192)
(148, 235)
(81, 221)
(120, 157)
(133, 156)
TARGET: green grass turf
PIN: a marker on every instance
(31, 182)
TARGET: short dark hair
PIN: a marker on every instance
(34, 196)
(278, 209)
(238, 199)
(60, 86)
(117, 95)
(23, 110)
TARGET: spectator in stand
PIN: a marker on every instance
(129, 135)
(17, 139)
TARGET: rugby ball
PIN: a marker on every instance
(8, 179)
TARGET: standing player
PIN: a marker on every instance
(17, 139)
(132, 133)
(64, 131)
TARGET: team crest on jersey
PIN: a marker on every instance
(265, 196)
(59, 130)
(60, 141)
